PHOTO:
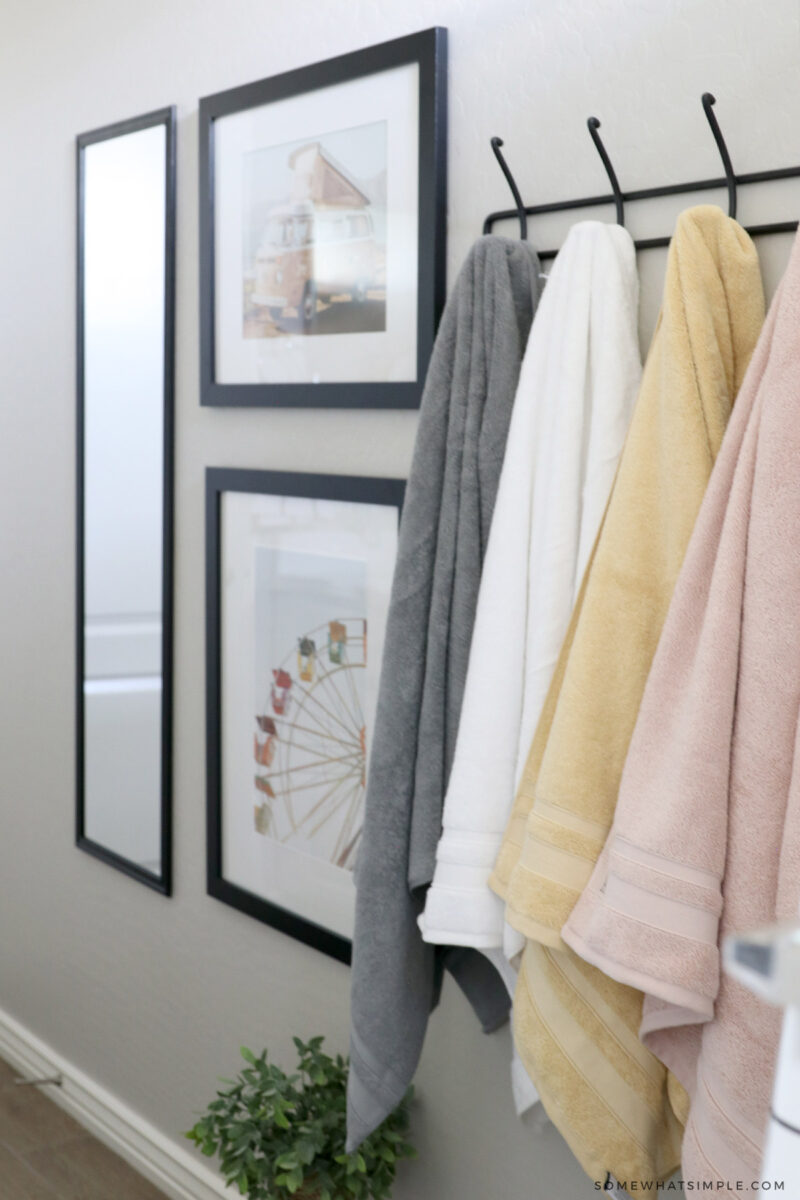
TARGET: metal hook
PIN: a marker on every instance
(523, 217)
(708, 102)
(593, 125)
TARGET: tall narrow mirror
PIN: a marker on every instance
(126, 250)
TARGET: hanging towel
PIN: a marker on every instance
(576, 1030)
(463, 426)
(572, 409)
(706, 839)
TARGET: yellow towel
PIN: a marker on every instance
(575, 1029)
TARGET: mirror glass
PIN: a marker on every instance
(125, 319)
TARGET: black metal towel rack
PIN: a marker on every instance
(619, 198)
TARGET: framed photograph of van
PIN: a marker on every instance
(322, 230)
(299, 571)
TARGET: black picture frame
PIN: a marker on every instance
(161, 882)
(219, 480)
(429, 50)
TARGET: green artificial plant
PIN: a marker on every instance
(280, 1136)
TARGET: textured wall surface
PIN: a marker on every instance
(153, 996)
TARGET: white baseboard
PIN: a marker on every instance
(165, 1163)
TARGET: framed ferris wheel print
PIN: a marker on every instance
(298, 575)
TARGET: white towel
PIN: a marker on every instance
(574, 400)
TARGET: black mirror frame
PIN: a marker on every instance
(162, 882)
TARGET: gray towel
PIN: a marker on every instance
(463, 424)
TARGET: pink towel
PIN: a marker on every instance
(706, 836)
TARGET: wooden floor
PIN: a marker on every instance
(45, 1155)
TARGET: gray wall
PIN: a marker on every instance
(153, 996)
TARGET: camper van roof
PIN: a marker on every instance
(332, 164)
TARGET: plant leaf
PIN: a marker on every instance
(305, 1150)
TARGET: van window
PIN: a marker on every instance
(302, 231)
(331, 229)
(276, 233)
(359, 226)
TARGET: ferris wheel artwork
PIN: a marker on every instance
(311, 711)
(309, 742)
(298, 593)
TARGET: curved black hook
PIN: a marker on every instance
(708, 102)
(593, 125)
(523, 216)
